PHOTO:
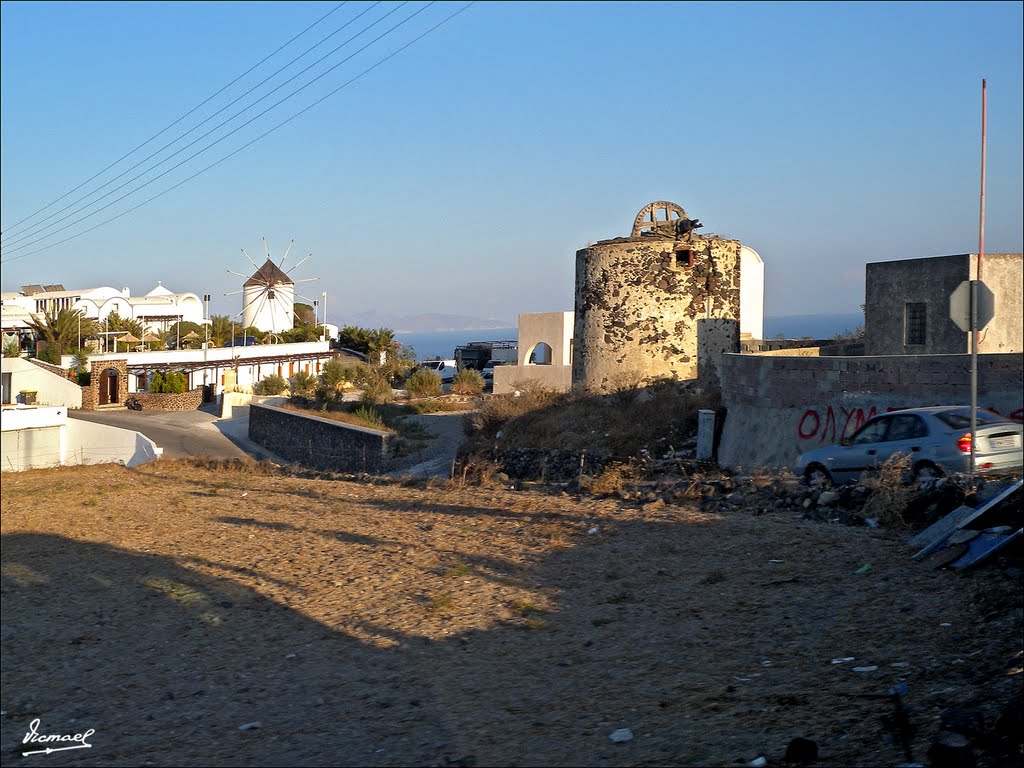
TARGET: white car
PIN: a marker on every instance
(937, 440)
(446, 369)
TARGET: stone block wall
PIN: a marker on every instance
(320, 443)
(638, 303)
(778, 406)
(171, 401)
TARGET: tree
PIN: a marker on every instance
(220, 330)
(11, 348)
(304, 314)
(60, 331)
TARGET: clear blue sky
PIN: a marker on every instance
(462, 175)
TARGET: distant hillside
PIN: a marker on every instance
(423, 323)
(815, 326)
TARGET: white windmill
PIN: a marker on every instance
(268, 294)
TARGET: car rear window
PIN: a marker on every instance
(961, 419)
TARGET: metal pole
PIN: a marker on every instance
(206, 346)
(974, 286)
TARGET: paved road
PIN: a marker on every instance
(183, 433)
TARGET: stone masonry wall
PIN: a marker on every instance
(638, 302)
(319, 443)
(778, 407)
(171, 401)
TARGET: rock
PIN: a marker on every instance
(865, 669)
(654, 506)
(758, 762)
(621, 735)
(951, 750)
(250, 726)
(828, 497)
(801, 750)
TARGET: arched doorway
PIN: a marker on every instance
(108, 387)
(540, 354)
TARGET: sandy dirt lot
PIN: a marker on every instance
(195, 616)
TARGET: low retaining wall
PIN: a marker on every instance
(319, 443)
(778, 406)
(170, 401)
(508, 378)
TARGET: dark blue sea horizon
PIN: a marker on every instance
(443, 343)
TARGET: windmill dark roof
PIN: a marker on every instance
(268, 274)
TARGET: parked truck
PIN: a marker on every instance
(477, 354)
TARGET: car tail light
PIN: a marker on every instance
(964, 443)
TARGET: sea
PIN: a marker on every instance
(443, 343)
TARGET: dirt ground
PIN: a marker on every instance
(197, 616)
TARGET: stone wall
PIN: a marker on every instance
(638, 302)
(91, 393)
(171, 401)
(320, 443)
(778, 406)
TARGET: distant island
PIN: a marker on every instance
(422, 323)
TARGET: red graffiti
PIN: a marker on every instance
(823, 425)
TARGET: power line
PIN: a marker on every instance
(221, 125)
(197, 106)
(39, 228)
(258, 138)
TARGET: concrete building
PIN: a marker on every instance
(37, 437)
(45, 387)
(653, 304)
(906, 309)
(545, 353)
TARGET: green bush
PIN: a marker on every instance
(468, 382)
(271, 385)
(423, 383)
(375, 386)
(369, 417)
(303, 383)
(168, 382)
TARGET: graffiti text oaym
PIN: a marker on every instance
(828, 425)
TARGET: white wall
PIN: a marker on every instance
(219, 360)
(35, 438)
(751, 293)
(89, 443)
(51, 389)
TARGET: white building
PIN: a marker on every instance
(157, 311)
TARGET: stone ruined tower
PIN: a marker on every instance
(653, 304)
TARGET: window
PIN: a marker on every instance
(907, 427)
(872, 432)
(682, 259)
(915, 327)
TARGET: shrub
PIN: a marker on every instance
(169, 381)
(11, 348)
(303, 383)
(369, 417)
(271, 385)
(375, 386)
(424, 383)
(468, 382)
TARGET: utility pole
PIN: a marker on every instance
(206, 346)
(974, 308)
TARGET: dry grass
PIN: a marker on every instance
(621, 424)
(440, 623)
(890, 493)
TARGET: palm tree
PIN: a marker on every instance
(60, 331)
(220, 330)
(115, 322)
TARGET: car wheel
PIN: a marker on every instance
(818, 477)
(926, 471)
